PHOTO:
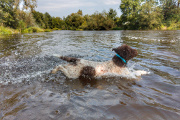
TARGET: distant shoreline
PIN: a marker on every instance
(8, 31)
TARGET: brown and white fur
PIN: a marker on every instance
(85, 68)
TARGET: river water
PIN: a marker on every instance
(29, 92)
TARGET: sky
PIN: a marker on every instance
(63, 8)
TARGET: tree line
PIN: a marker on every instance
(136, 15)
(76, 21)
(150, 14)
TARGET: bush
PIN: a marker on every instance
(174, 25)
(117, 28)
(55, 28)
(47, 30)
(79, 29)
(7, 30)
(32, 30)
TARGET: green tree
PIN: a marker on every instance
(79, 12)
(27, 4)
(1, 18)
(39, 18)
(171, 11)
(112, 14)
(8, 13)
(130, 10)
(75, 20)
(141, 14)
(12, 15)
(48, 20)
(150, 15)
(57, 22)
(98, 21)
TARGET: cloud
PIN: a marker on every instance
(65, 7)
(48, 4)
(112, 2)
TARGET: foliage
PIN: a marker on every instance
(39, 18)
(171, 13)
(57, 23)
(7, 30)
(25, 19)
(75, 20)
(174, 25)
(150, 14)
(47, 22)
(15, 18)
(47, 30)
(27, 4)
(112, 14)
(8, 13)
(98, 21)
(130, 10)
(117, 28)
(32, 30)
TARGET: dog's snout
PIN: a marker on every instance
(114, 49)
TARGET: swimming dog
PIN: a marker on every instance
(84, 68)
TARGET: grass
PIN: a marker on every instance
(47, 30)
(79, 29)
(174, 26)
(7, 30)
(32, 30)
(171, 25)
(56, 29)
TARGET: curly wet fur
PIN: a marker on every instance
(85, 68)
(125, 52)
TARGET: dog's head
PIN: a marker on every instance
(126, 52)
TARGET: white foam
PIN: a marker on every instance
(152, 39)
(8, 78)
(56, 55)
(132, 74)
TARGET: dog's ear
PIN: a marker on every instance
(125, 52)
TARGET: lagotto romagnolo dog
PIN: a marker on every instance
(85, 68)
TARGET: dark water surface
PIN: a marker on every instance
(29, 92)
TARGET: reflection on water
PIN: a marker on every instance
(28, 90)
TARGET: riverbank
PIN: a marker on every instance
(7, 30)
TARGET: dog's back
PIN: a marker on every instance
(81, 68)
